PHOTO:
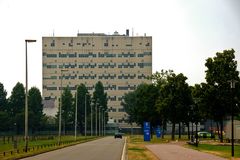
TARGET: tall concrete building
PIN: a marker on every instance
(120, 62)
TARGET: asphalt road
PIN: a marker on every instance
(103, 149)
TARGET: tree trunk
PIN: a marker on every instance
(64, 131)
(163, 128)
(196, 135)
(219, 136)
(173, 130)
(192, 133)
(179, 130)
(188, 131)
(163, 131)
(211, 129)
(151, 132)
(221, 127)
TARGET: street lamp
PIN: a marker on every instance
(26, 97)
(104, 125)
(232, 85)
(103, 115)
(96, 117)
(87, 94)
(76, 114)
(91, 119)
(99, 120)
(60, 111)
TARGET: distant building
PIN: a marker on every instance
(120, 62)
(236, 129)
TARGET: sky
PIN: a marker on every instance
(184, 32)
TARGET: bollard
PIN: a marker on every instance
(4, 154)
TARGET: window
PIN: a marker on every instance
(122, 87)
(121, 110)
(51, 55)
(51, 66)
(51, 88)
(105, 44)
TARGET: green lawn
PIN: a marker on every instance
(219, 149)
(40, 146)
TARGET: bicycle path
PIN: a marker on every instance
(177, 152)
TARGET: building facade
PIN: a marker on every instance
(120, 62)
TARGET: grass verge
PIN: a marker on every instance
(39, 146)
(137, 149)
(223, 150)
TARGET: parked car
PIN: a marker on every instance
(204, 134)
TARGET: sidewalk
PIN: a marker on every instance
(176, 152)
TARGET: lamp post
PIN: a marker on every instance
(96, 125)
(26, 97)
(104, 125)
(60, 111)
(76, 115)
(96, 119)
(103, 114)
(85, 112)
(232, 85)
(99, 120)
(91, 119)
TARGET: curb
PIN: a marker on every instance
(124, 155)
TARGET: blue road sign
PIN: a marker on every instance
(146, 131)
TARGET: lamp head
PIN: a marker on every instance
(30, 40)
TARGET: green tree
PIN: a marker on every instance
(220, 70)
(35, 109)
(159, 79)
(130, 107)
(67, 110)
(100, 98)
(140, 105)
(175, 100)
(16, 107)
(3, 109)
(146, 97)
(82, 93)
(3, 99)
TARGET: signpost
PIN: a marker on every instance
(146, 131)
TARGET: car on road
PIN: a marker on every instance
(118, 135)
